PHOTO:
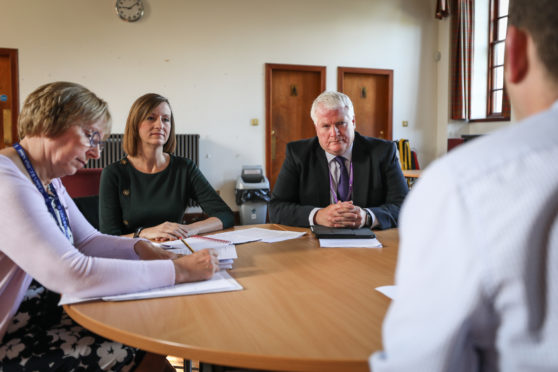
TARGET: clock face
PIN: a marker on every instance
(129, 10)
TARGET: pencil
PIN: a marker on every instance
(187, 245)
(211, 238)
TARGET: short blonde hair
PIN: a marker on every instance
(52, 108)
(139, 111)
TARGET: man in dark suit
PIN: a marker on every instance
(338, 178)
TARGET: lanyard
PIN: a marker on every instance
(61, 219)
(351, 179)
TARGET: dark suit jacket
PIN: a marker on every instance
(303, 182)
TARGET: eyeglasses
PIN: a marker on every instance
(95, 140)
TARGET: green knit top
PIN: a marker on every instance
(129, 198)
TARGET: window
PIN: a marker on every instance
(479, 33)
(498, 25)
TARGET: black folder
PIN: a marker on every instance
(324, 232)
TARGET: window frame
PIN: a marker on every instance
(494, 41)
(486, 79)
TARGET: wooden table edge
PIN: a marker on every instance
(215, 356)
(219, 357)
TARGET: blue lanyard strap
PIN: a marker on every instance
(61, 218)
(332, 189)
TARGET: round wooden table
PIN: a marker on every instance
(303, 308)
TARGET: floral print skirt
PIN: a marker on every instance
(42, 337)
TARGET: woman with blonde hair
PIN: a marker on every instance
(48, 247)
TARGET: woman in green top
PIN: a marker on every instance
(146, 193)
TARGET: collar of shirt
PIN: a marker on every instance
(334, 166)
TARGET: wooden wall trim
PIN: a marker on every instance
(12, 54)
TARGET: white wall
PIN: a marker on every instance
(208, 58)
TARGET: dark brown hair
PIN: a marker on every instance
(139, 111)
(540, 19)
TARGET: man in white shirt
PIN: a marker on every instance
(477, 276)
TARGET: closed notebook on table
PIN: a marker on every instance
(324, 232)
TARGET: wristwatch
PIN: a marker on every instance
(137, 232)
(368, 222)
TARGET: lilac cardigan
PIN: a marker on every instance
(32, 246)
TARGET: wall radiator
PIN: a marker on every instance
(187, 146)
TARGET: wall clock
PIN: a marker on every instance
(129, 10)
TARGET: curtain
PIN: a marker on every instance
(442, 9)
(462, 58)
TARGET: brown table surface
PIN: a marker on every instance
(303, 308)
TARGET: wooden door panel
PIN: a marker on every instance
(9, 96)
(369, 100)
(371, 92)
(290, 91)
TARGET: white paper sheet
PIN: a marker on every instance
(221, 282)
(388, 291)
(257, 234)
(236, 237)
(350, 243)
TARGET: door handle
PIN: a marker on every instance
(273, 145)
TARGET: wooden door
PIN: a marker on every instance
(290, 91)
(9, 96)
(371, 91)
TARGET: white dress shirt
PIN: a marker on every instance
(335, 171)
(477, 273)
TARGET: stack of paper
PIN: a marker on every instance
(224, 243)
(350, 243)
(226, 251)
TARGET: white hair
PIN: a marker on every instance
(332, 100)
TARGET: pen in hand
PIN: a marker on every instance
(187, 245)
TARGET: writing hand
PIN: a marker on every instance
(196, 266)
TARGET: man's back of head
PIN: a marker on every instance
(477, 281)
(540, 19)
(531, 70)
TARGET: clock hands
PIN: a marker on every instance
(131, 6)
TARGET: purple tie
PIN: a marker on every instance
(343, 184)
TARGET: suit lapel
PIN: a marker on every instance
(322, 174)
(361, 171)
